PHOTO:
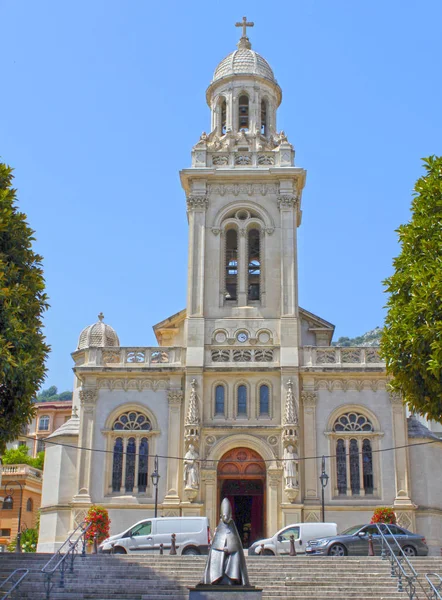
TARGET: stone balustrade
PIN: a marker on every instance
(342, 357)
(154, 357)
(225, 356)
(21, 470)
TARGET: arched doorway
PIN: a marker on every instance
(241, 479)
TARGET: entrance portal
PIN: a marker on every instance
(241, 479)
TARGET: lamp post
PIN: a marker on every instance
(323, 478)
(8, 500)
(155, 480)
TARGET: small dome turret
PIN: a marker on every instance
(98, 335)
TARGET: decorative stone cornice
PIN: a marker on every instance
(175, 397)
(234, 189)
(197, 202)
(287, 201)
(309, 398)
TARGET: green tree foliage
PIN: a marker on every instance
(412, 339)
(20, 456)
(51, 395)
(22, 302)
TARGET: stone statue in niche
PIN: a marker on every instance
(290, 467)
(226, 564)
(191, 469)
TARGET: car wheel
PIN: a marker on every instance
(119, 550)
(409, 551)
(268, 553)
(337, 550)
(191, 552)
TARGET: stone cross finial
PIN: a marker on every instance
(101, 317)
(244, 24)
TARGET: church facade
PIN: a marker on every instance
(244, 394)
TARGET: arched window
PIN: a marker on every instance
(243, 113)
(341, 467)
(29, 505)
(142, 465)
(264, 117)
(223, 116)
(130, 452)
(43, 423)
(242, 400)
(367, 466)
(354, 454)
(219, 399)
(264, 398)
(130, 465)
(231, 264)
(117, 468)
(254, 265)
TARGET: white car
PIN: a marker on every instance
(192, 536)
(279, 544)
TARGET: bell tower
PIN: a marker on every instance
(244, 206)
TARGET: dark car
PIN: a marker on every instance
(354, 542)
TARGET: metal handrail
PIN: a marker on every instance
(69, 547)
(435, 589)
(397, 569)
(15, 585)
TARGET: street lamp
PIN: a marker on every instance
(323, 478)
(155, 480)
(8, 500)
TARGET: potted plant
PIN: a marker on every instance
(99, 529)
(384, 514)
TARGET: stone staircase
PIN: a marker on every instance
(166, 577)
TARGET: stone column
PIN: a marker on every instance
(309, 399)
(208, 481)
(274, 481)
(289, 284)
(242, 267)
(88, 398)
(400, 454)
(196, 210)
(175, 398)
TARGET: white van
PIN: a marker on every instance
(303, 532)
(192, 536)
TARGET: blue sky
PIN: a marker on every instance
(102, 101)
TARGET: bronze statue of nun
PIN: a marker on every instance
(226, 564)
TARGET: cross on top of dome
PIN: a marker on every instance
(244, 41)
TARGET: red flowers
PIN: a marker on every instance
(384, 514)
(99, 517)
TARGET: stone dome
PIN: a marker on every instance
(98, 335)
(244, 61)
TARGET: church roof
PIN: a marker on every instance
(416, 429)
(98, 335)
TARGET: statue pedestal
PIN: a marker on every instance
(224, 592)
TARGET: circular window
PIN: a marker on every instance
(242, 215)
(242, 336)
(264, 337)
(220, 337)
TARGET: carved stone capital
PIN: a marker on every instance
(287, 201)
(195, 202)
(395, 398)
(309, 398)
(175, 397)
(88, 397)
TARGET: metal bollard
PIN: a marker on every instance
(292, 546)
(370, 545)
(262, 550)
(95, 551)
(173, 544)
(161, 549)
